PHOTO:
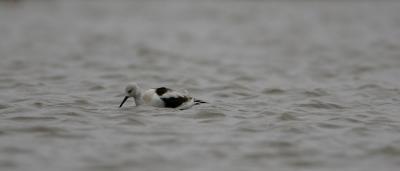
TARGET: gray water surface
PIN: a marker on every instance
(310, 85)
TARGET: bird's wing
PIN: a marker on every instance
(174, 99)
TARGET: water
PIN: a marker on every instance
(310, 85)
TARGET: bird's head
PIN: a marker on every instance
(131, 90)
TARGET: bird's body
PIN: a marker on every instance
(160, 97)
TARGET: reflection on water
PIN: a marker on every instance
(310, 85)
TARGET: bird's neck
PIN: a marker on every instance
(138, 98)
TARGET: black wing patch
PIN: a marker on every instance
(162, 90)
(173, 102)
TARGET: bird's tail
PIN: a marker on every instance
(197, 101)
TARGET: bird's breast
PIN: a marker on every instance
(150, 97)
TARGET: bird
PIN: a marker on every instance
(159, 97)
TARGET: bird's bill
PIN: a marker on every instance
(123, 101)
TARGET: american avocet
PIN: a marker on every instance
(159, 97)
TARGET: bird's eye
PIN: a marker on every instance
(129, 91)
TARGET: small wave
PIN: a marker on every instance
(133, 121)
(96, 88)
(248, 129)
(222, 95)
(360, 131)
(274, 91)
(281, 144)
(388, 150)
(305, 163)
(357, 70)
(15, 150)
(208, 114)
(330, 125)
(8, 164)
(74, 114)
(112, 76)
(350, 120)
(39, 129)
(246, 78)
(369, 86)
(321, 105)
(53, 78)
(316, 93)
(287, 117)
(3, 106)
(32, 118)
(233, 86)
(38, 104)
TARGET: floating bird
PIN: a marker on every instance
(159, 97)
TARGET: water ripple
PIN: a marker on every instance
(274, 91)
(208, 114)
(32, 118)
(321, 105)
